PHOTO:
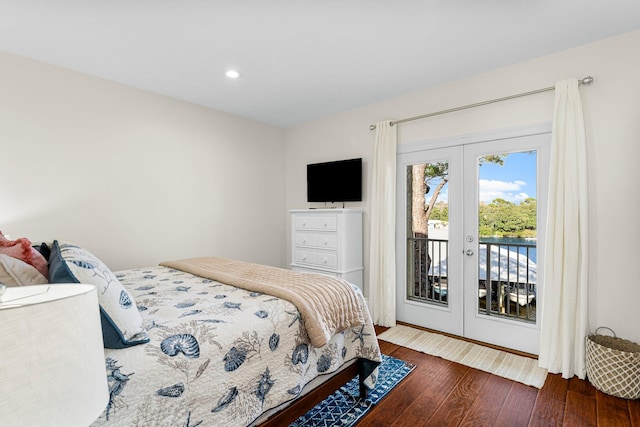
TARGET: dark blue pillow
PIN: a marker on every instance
(44, 250)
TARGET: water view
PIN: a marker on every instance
(529, 251)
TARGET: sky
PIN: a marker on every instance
(514, 181)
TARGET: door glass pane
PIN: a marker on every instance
(507, 228)
(428, 233)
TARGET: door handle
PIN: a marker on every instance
(469, 252)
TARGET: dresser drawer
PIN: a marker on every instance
(328, 241)
(312, 222)
(317, 240)
(320, 259)
(314, 271)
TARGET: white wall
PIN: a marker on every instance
(139, 178)
(612, 109)
(134, 177)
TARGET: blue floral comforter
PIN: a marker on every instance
(218, 355)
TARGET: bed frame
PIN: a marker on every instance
(311, 399)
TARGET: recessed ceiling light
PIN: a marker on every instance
(232, 74)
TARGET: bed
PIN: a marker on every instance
(192, 346)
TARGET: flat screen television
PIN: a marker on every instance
(339, 181)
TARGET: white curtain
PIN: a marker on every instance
(382, 259)
(565, 304)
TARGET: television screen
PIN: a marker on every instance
(339, 181)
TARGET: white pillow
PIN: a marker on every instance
(121, 321)
(15, 272)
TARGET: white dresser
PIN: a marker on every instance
(328, 241)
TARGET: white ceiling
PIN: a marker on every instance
(300, 59)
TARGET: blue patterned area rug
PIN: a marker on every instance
(343, 408)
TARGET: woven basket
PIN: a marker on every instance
(613, 365)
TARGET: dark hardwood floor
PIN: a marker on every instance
(443, 393)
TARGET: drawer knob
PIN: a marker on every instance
(304, 241)
(326, 243)
(324, 261)
(304, 257)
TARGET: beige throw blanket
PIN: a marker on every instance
(327, 305)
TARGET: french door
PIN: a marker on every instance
(470, 234)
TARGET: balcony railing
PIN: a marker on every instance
(427, 270)
(508, 290)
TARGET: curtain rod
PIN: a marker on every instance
(584, 81)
